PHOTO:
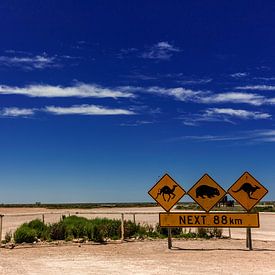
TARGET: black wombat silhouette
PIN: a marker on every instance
(206, 190)
(248, 189)
(166, 190)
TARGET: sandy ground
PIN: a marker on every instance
(148, 257)
(224, 256)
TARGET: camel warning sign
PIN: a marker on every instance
(206, 192)
(214, 219)
(247, 191)
(166, 192)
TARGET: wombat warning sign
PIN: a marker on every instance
(206, 192)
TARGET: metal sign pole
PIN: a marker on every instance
(249, 239)
(169, 238)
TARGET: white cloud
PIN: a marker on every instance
(29, 61)
(232, 97)
(195, 81)
(208, 97)
(16, 112)
(221, 115)
(86, 110)
(239, 75)
(57, 110)
(79, 90)
(181, 94)
(264, 78)
(243, 114)
(257, 87)
(136, 123)
(248, 137)
(160, 51)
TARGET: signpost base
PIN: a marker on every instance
(248, 239)
(169, 238)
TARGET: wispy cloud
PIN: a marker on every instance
(248, 137)
(209, 97)
(29, 61)
(239, 75)
(17, 112)
(222, 115)
(257, 87)
(161, 51)
(78, 90)
(243, 114)
(236, 97)
(136, 123)
(195, 81)
(264, 78)
(86, 110)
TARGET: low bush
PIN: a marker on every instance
(209, 232)
(25, 234)
(99, 230)
(8, 237)
(29, 232)
(41, 229)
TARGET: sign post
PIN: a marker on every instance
(167, 192)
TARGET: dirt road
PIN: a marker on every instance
(147, 257)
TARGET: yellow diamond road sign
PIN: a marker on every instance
(247, 191)
(166, 192)
(206, 192)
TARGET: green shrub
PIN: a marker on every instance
(98, 230)
(24, 234)
(42, 230)
(57, 231)
(8, 237)
(209, 232)
(175, 231)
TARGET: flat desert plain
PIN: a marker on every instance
(223, 256)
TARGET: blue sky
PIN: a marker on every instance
(98, 99)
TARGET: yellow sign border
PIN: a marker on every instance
(205, 217)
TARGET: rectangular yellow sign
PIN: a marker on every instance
(218, 219)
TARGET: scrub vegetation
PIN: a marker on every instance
(98, 230)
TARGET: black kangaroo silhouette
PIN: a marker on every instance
(166, 190)
(248, 189)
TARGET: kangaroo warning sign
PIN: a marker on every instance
(197, 219)
(247, 191)
(206, 192)
(166, 192)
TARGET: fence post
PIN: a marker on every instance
(134, 218)
(122, 227)
(1, 225)
(43, 218)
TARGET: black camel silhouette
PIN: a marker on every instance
(166, 190)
